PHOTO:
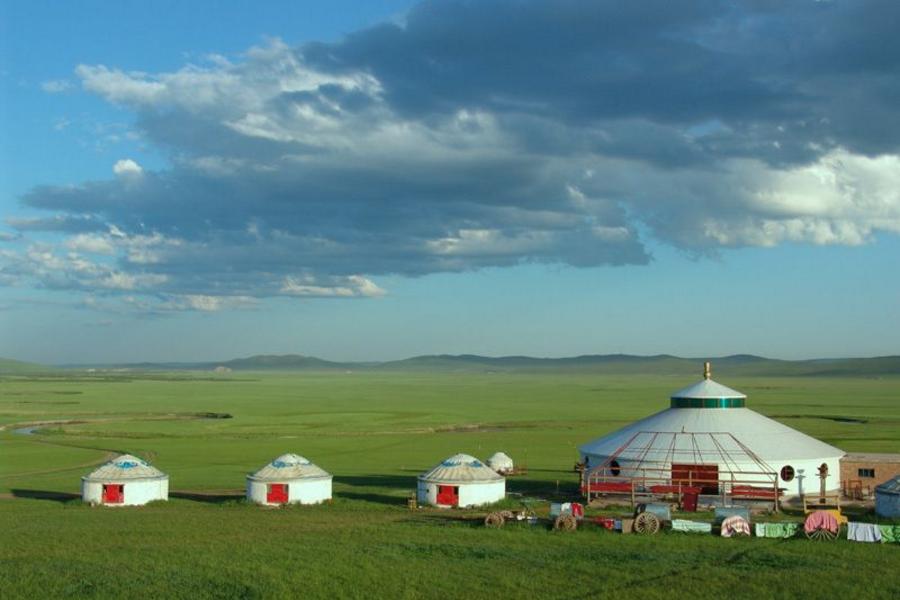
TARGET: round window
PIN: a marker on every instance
(614, 468)
(787, 473)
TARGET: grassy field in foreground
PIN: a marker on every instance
(376, 432)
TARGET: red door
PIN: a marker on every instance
(113, 493)
(277, 493)
(448, 495)
(706, 477)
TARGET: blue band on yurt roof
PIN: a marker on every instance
(708, 402)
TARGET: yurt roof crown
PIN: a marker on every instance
(290, 466)
(461, 468)
(125, 466)
(706, 393)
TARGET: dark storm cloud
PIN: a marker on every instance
(483, 134)
(752, 65)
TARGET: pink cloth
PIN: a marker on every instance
(735, 524)
(821, 519)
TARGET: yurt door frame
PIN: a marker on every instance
(113, 493)
(448, 495)
(706, 476)
(277, 493)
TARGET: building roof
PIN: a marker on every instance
(891, 486)
(461, 468)
(871, 457)
(707, 388)
(289, 467)
(717, 412)
(123, 468)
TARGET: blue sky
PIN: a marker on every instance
(374, 180)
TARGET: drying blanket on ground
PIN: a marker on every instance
(821, 519)
(735, 525)
(863, 532)
(777, 530)
(889, 533)
(691, 526)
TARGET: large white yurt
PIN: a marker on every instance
(887, 499)
(708, 435)
(125, 481)
(501, 462)
(289, 479)
(461, 480)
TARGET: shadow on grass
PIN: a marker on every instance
(446, 518)
(566, 490)
(373, 498)
(209, 498)
(376, 483)
(46, 495)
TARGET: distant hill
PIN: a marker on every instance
(284, 362)
(613, 364)
(662, 364)
(17, 367)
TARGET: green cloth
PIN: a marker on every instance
(691, 526)
(890, 533)
(777, 530)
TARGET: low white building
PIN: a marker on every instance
(501, 463)
(289, 479)
(125, 481)
(462, 481)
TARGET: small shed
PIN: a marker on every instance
(125, 481)
(887, 498)
(501, 463)
(289, 479)
(461, 480)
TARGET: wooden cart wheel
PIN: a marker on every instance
(565, 523)
(494, 520)
(646, 523)
(822, 535)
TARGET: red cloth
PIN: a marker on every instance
(674, 489)
(605, 522)
(749, 491)
(821, 519)
(609, 487)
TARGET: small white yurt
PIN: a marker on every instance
(501, 463)
(887, 499)
(125, 481)
(461, 480)
(289, 479)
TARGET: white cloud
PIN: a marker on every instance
(56, 86)
(127, 168)
(354, 286)
(91, 243)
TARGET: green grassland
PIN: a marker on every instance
(375, 431)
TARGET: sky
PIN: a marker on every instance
(371, 180)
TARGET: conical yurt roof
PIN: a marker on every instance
(500, 459)
(891, 486)
(707, 388)
(289, 467)
(125, 467)
(706, 421)
(461, 468)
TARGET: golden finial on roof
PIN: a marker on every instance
(707, 370)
